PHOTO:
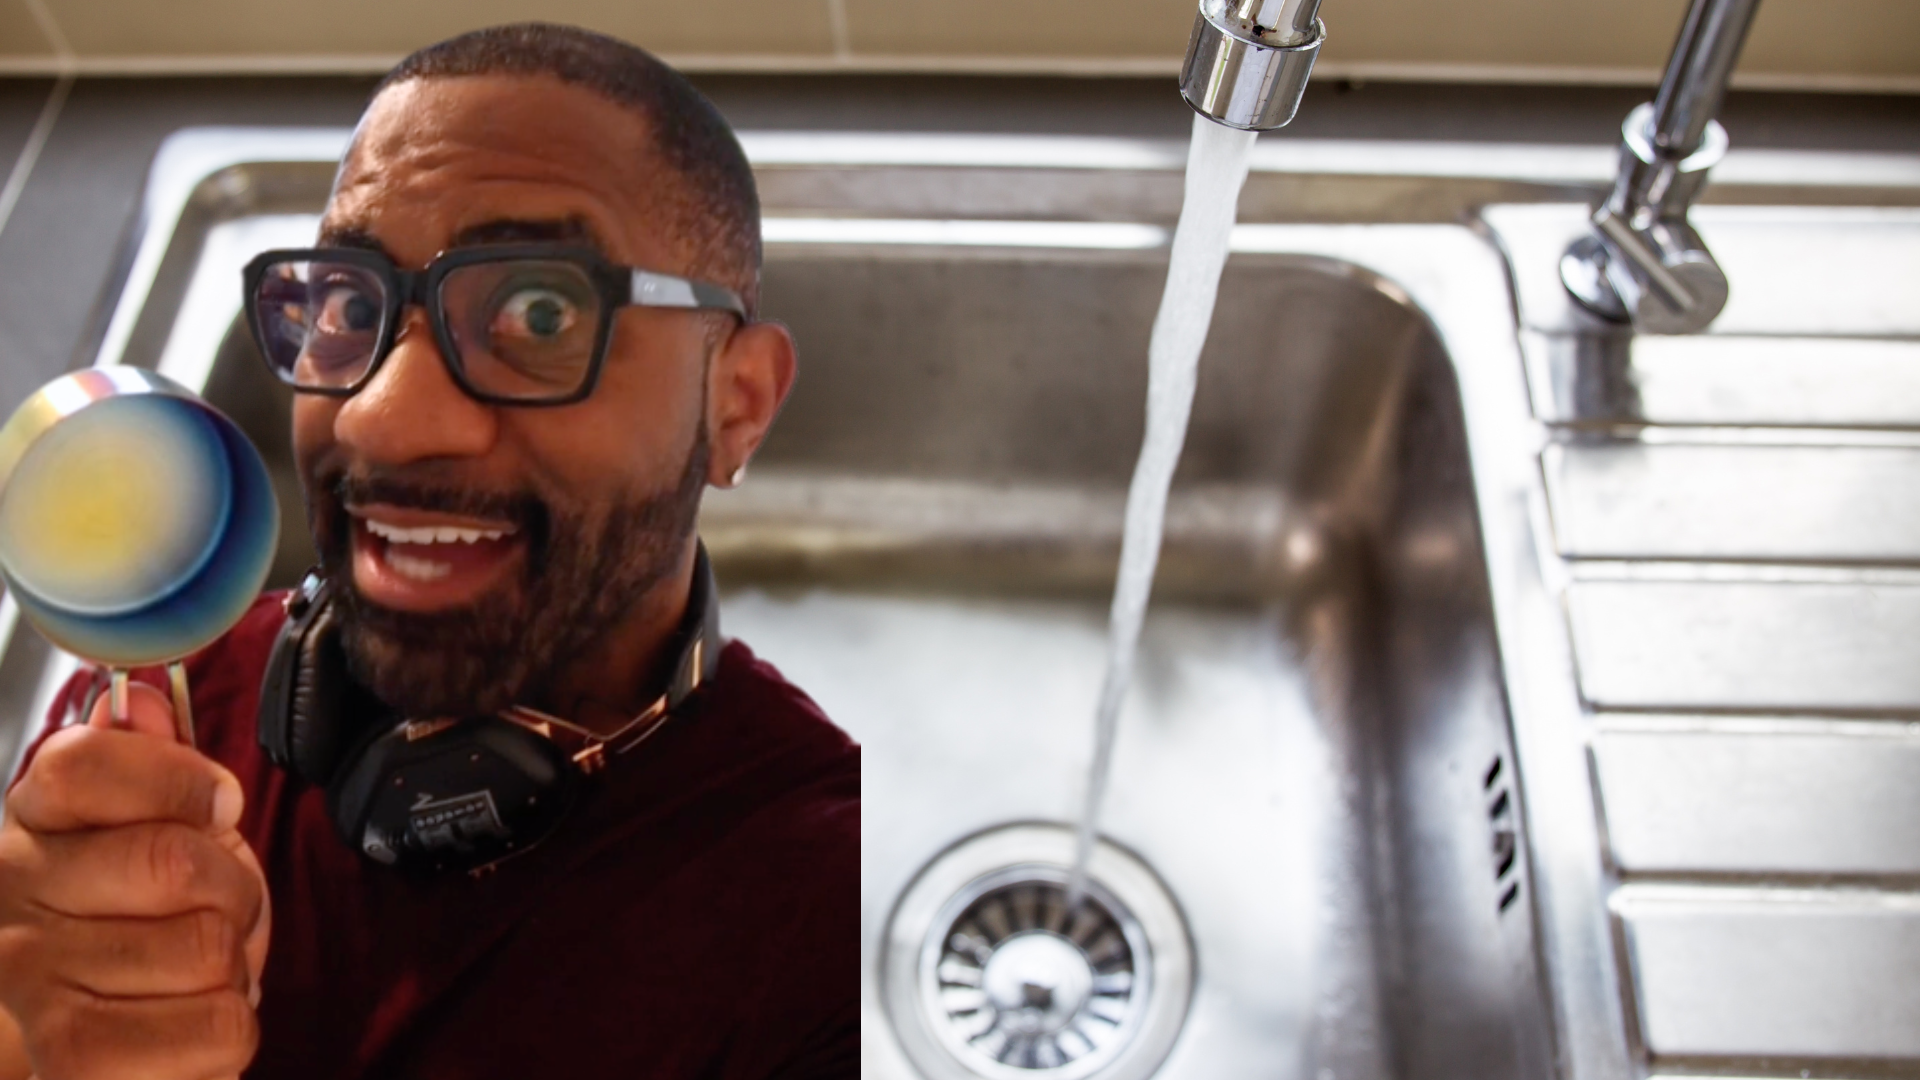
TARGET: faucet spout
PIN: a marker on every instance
(1698, 72)
(1644, 263)
(1248, 60)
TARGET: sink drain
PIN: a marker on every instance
(1022, 981)
(989, 973)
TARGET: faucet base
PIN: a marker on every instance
(1583, 270)
(1618, 286)
(1644, 263)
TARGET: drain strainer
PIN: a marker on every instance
(1020, 980)
(990, 973)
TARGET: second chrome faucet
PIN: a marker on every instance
(1644, 264)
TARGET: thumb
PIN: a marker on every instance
(149, 711)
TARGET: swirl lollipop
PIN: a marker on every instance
(137, 523)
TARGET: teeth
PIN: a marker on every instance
(431, 534)
(418, 569)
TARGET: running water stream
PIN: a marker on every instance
(1216, 169)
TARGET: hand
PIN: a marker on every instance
(134, 919)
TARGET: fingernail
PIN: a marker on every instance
(227, 803)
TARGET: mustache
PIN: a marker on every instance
(523, 509)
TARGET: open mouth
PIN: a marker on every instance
(414, 560)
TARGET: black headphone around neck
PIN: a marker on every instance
(444, 794)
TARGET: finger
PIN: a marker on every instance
(142, 871)
(189, 1037)
(194, 953)
(260, 936)
(149, 712)
(92, 777)
(13, 1047)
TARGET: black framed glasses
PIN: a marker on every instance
(517, 324)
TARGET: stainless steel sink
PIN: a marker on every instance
(1352, 828)
(1314, 761)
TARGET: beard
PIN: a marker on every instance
(584, 570)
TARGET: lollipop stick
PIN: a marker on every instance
(117, 707)
(182, 704)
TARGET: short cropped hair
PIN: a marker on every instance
(717, 210)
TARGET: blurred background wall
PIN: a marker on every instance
(1829, 44)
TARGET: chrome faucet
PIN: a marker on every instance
(1644, 263)
(1248, 60)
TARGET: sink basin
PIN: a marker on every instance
(1312, 758)
(1352, 827)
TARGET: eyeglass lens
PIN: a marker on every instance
(320, 322)
(524, 328)
(521, 328)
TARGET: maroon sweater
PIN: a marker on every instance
(696, 916)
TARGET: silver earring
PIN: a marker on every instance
(739, 477)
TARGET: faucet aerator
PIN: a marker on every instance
(1248, 60)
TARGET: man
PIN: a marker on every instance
(502, 468)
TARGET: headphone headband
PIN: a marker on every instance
(696, 661)
(444, 793)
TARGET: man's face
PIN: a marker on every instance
(487, 546)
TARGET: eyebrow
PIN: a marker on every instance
(522, 231)
(497, 231)
(350, 236)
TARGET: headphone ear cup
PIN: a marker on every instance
(270, 721)
(355, 787)
(273, 723)
(316, 701)
(310, 707)
(450, 795)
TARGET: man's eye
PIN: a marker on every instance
(536, 315)
(345, 310)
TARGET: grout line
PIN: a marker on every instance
(30, 153)
(56, 38)
(842, 33)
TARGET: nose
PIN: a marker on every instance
(412, 410)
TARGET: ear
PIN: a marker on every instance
(746, 383)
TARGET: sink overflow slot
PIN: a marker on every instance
(1506, 839)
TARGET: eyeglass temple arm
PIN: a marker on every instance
(665, 290)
